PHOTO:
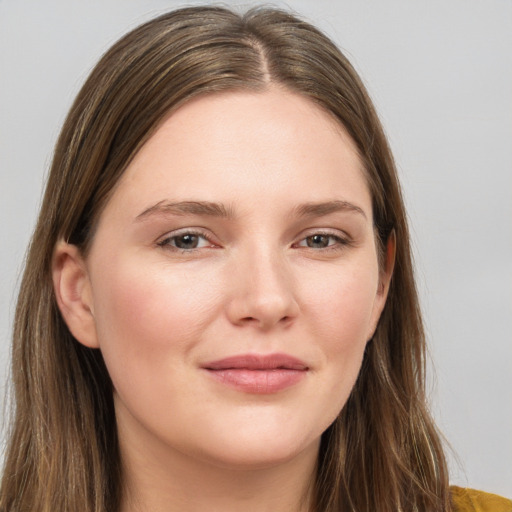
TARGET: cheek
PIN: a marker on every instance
(341, 314)
(146, 318)
(343, 305)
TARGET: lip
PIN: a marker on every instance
(258, 374)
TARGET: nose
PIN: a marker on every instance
(263, 292)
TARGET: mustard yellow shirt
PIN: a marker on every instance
(469, 500)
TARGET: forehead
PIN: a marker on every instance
(273, 146)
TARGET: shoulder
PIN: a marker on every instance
(469, 500)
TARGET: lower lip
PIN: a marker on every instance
(258, 381)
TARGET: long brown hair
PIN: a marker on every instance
(382, 453)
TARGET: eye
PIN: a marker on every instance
(322, 241)
(186, 241)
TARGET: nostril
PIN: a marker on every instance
(250, 319)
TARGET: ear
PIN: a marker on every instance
(385, 274)
(73, 293)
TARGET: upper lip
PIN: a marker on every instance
(257, 362)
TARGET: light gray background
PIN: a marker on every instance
(440, 72)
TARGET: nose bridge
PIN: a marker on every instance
(264, 293)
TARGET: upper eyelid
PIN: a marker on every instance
(185, 231)
(324, 231)
(205, 233)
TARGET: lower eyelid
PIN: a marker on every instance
(166, 241)
(339, 241)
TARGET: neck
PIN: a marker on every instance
(187, 485)
(159, 480)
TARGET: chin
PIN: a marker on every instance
(262, 450)
(258, 459)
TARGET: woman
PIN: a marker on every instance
(218, 310)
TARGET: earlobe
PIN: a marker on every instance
(73, 293)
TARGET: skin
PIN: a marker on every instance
(265, 277)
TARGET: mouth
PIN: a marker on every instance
(258, 374)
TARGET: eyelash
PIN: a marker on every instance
(339, 242)
(166, 242)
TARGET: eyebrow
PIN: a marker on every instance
(325, 208)
(187, 208)
(207, 208)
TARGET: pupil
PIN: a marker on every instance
(318, 241)
(187, 241)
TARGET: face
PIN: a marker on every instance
(233, 280)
